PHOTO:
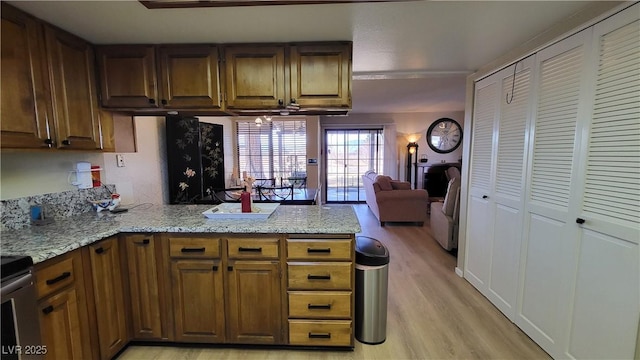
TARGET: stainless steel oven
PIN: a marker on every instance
(20, 337)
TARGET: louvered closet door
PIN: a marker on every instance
(478, 251)
(606, 304)
(507, 200)
(550, 236)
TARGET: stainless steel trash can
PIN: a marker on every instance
(372, 278)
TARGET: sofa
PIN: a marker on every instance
(445, 214)
(394, 201)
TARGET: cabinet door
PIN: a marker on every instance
(321, 75)
(255, 311)
(144, 285)
(127, 76)
(73, 91)
(255, 77)
(108, 296)
(478, 257)
(25, 106)
(60, 326)
(550, 235)
(198, 300)
(189, 77)
(606, 303)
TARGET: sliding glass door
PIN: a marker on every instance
(350, 153)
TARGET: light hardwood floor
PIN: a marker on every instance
(432, 313)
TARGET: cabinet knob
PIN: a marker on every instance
(48, 142)
(99, 250)
(152, 101)
(66, 142)
(580, 221)
(280, 102)
(163, 101)
(485, 196)
(293, 101)
(215, 267)
(47, 310)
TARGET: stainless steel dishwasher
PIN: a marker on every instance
(20, 337)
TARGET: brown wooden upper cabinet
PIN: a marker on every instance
(44, 66)
(73, 90)
(321, 75)
(25, 109)
(190, 77)
(275, 77)
(255, 77)
(182, 77)
(127, 76)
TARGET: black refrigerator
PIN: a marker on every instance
(195, 159)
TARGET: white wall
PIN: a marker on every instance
(42, 172)
(144, 178)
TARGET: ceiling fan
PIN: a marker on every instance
(168, 4)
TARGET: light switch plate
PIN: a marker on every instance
(120, 160)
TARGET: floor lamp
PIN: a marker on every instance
(412, 148)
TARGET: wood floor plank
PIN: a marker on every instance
(432, 312)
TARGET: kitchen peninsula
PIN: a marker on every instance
(168, 274)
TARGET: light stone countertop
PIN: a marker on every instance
(47, 241)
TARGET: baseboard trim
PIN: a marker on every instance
(459, 272)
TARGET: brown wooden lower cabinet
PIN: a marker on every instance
(62, 307)
(148, 315)
(108, 297)
(198, 300)
(199, 288)
(255, 302)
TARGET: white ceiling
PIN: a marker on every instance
(407, 56)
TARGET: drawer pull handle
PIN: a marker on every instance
(144, 242)
(319, 335)
(192, 250)
(47, 310)
(319, 306)
(326, 251)
(99, 250)
(246, 249)
(63, 276)
(318, 277)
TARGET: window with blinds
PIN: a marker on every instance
(277, 149)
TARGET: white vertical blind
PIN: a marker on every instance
(481, 149)
(277, 149)
(555, 127)
(612, 182)
(511, 135)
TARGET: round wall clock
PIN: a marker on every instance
(444, 135)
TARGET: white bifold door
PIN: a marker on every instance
(496, 196)
(554, 192)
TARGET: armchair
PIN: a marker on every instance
(444, 216)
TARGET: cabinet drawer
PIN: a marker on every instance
(320, 332)
(319, 275)
(266, 248)
(55, 276)
(320, 304)
(194, 247)
(316, 249)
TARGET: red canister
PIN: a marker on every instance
(245, 200)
